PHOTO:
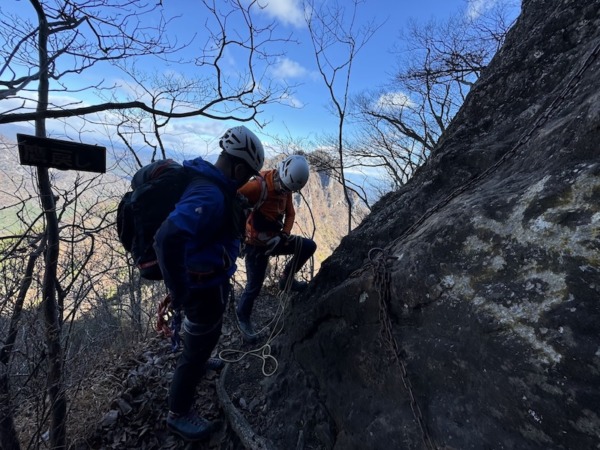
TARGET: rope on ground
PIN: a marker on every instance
(249, 438)
(263, 352)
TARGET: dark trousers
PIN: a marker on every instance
(201, 330)
(256, 267)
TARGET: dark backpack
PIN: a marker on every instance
(156, 189)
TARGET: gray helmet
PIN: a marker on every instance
(243, 143)
(293, 172)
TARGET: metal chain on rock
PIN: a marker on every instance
(382, 281)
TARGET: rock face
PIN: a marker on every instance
(464, 312)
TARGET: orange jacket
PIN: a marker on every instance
(277, 206)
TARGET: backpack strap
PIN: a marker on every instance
(253, 235)
(263, 193)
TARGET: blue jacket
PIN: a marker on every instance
(191, 248)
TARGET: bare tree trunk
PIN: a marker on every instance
(51, 317)
(8, 433)
(56, 393)
(336, 42)
(342, 171)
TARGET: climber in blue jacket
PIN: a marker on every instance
(196, 253)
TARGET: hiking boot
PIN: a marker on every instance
(297, 286)
(215, 364)
(190, 426)
(247, 330)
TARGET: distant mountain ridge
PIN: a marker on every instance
(321, 211)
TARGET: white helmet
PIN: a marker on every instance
(293, 172)
(243, 143)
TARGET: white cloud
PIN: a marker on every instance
(188, 137)
(476, 8)
(288, 11)
(286, 68)
(393, 100)
(27, 101)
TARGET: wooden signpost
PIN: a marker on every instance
(63, 155)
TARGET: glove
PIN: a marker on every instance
(175, 329)
(271, 244)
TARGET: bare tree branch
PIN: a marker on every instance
(336, 42)
(402, 123)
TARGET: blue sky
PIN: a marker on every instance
(373, 66)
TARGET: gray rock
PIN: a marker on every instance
(478, 326)
(110, 419)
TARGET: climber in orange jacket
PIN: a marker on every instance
(268, 232)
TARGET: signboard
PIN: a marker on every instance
(63, 155)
